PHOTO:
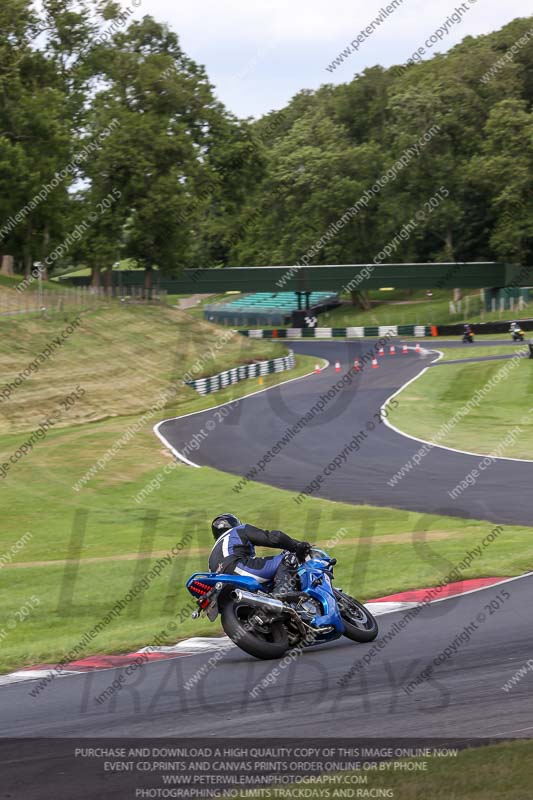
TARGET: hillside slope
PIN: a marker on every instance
(121, 357)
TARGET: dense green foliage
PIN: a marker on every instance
(153, 167)
(112, 143)
(327, 148)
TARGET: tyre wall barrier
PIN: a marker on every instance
(341, 333)
(216, 382)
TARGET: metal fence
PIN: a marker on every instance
(79, 297)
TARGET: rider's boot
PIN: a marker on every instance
(286, 581)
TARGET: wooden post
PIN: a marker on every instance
(7, 266)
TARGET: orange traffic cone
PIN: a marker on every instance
(417, 348)
(337, 366)
(404, 350)
(392, 350)
(317, 369)
(356, 365)
(374, 363)
(381, 351)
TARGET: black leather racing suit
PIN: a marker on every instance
(234, 552)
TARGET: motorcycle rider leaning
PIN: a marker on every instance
(516, 332)
(234, 553)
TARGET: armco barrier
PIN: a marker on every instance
(338, 333)
(455, 329)
(229, 376)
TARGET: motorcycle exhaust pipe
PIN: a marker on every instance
(263, 602)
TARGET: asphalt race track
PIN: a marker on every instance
(236, 444)
(328, 692)
(463, 697)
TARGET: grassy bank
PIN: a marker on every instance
(418, 310)
(443, 390)
(408, 308)
(471, 351)
(122, 356)
(85, 544)
(11, 282)
(88, 548)
(497, 772)
(494, 772)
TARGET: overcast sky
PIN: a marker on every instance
(259, 53)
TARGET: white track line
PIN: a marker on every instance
(516, 730)
(201, 644)
(389, 424)
(477, 589)
(183, 458)
(431, 444)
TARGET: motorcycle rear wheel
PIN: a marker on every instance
(273, 643)
(359, 624)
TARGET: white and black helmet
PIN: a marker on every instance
(222, 523)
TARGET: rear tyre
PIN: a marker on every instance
(272, 642)
(359, 623)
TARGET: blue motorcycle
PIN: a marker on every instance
(265, 626)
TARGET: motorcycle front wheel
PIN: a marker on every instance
(237, 621)
(359, 624)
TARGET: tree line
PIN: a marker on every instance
(113, 145)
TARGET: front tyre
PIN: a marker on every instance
(269, 641)
(359, 623)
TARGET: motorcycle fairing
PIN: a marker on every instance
(239, 581)
(323, 592)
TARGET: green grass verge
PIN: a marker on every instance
(122, 356)
(412, 310)
(11, 282)
(496, 772)
(197, 311)
(408, 312)
(380, 550)
(418, 311)
(487, 427)
(103, 541)
(126, 265)
(493, 772)
(453, 353)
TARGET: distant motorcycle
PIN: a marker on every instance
(516, 332)
(468, 336)
(265, 626)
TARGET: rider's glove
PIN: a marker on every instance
(302, 550)
(290, 560)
